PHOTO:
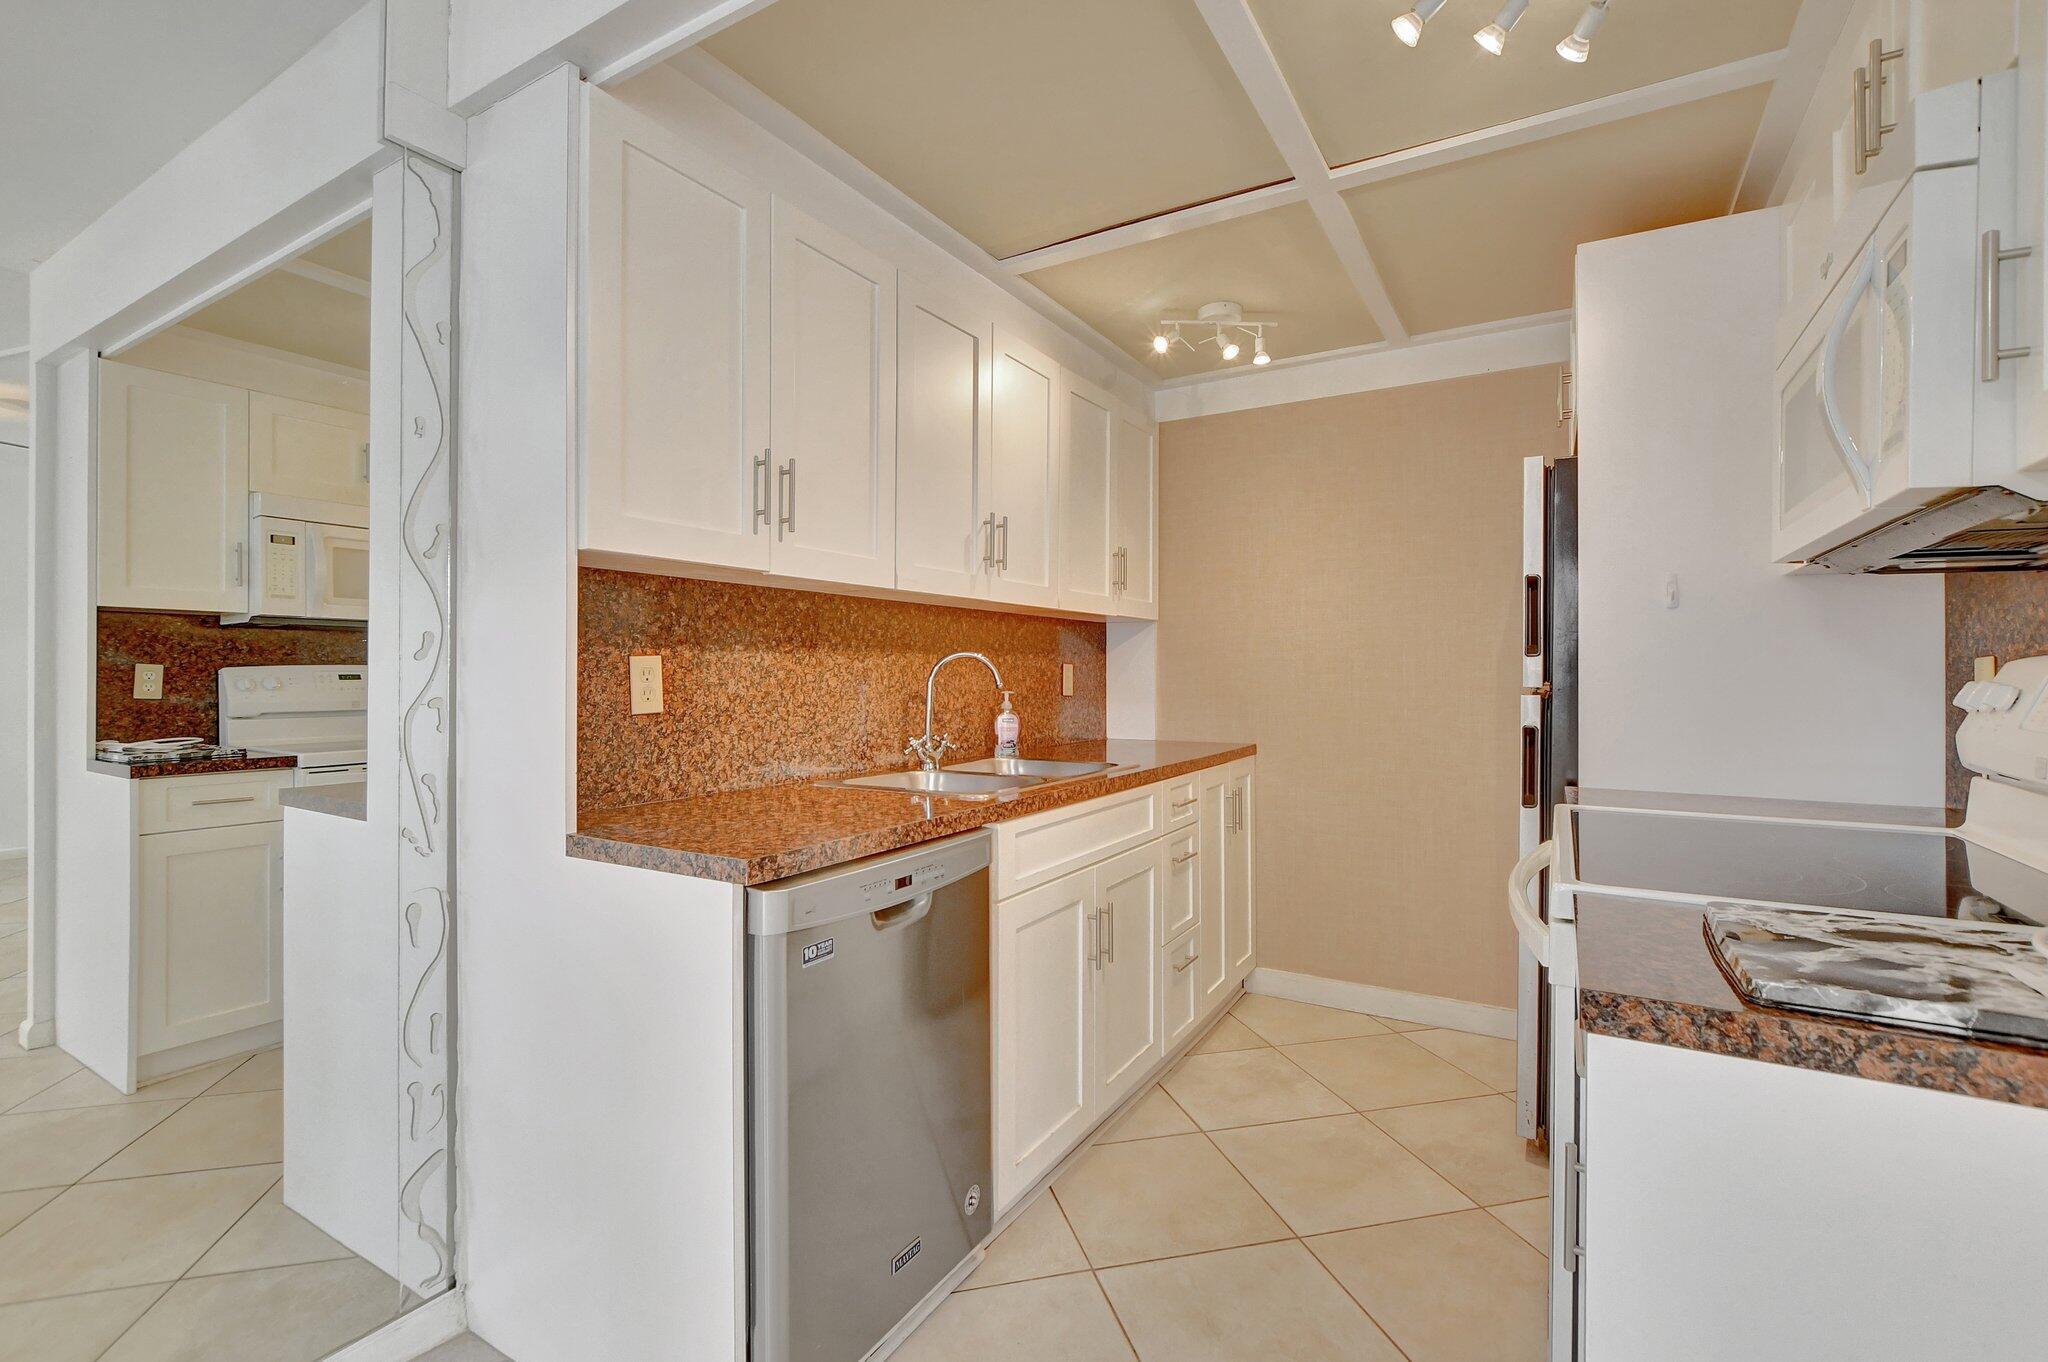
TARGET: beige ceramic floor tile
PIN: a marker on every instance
(1383, 1071)
(1247, 1087)
(468, 1348)
(1054, 1319)
(1530, 1219)
(108, 1234)
(207, 1132)
(16, 1207)
(1243, 1305)
(55, 1148)
(72, 1328)
(1453, 1288)
(1155, 1198)
(1396, 1024)
(87, 1089)
(1472, 1143)
(270, 1235)
(1228, 1034)
(1152, 1115)
(1489, 1059)
(13, 954)
(283, 1314)
(1037, 1243)
(1336, 1173)
(1281, 1021)
(262, 1072)
(25, 1075)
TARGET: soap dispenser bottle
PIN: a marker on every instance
(1007, 726)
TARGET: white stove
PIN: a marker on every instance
(319, 714)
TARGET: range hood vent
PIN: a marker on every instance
(1975, 530)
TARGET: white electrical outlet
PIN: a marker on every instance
(1066, 678)
(646, 673)
(149, 681)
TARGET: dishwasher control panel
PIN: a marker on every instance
(829, 895)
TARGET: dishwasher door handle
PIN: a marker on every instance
(901, 914)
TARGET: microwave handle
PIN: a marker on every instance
(1824, 376)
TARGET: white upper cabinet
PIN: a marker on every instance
(943, 373)
(1135, 486)
(301, 449)
(173, 492)
(1087, 559)
(1020, 508)
(834, 384)
(677, 354)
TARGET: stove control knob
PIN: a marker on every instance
(270, 683)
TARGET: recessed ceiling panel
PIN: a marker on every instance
(1493, 237)
(1365, 94)
(1020, 124)
(287, 312)
(1277, 265)
(347, 251)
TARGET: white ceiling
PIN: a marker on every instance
(96, 94)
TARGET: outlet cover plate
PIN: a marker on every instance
(149, 681)
(646, 676)
(1066, 678)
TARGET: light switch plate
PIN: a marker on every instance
(1066, 678)
(1986, 668)
(646, 672)
(149, 681)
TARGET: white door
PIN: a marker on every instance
(339, 586)
(1087, 561)
(1133, 457)
(1021, 501)
(1127, 1006)
(943, 373)
(1044, 1085)
(173, 490)
(1212, 960)
(676, 349)
(834, 426)
(211, 933)
(1238, 878)
(298, 449)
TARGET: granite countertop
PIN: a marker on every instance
(754, 836)
(351, 800)
(222, 766)
(1647, 973)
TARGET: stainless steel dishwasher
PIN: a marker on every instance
(868, 1107)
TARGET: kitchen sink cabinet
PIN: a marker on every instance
(1127, 1013)
(1045, 1056)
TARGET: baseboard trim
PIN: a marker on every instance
(418, 1331)
(199, 1053)
(1426, 1008)
(9, 855)
(34, 1035)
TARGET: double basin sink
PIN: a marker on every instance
(989, 778)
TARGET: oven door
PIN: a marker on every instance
(338, 584)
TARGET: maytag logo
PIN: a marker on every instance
(816, 951)
(902, 1260)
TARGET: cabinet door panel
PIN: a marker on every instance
(173, 492)
(1024, 474)
(1212, 963)
(1136, 499)
(942, 441)
(1183, 898)
(299, 449)
(1127, 1006)
(1087, 578)
(676, 395)
(1044, 1086)
(1238, 878)
(835, 406)
(211, 934)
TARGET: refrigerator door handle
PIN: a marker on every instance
(1529, 924)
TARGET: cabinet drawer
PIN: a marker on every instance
(1183, 882)
(1177, 987)
(1183, 799)
(180, 803)
(1037, 850)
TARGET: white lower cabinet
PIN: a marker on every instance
(210, 933)
(1127, 1018)
(1044, 942)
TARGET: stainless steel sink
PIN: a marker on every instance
(969, 784)
(1041, 770)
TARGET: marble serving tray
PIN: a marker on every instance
(1937, 974)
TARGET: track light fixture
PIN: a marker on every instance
(1577, 45)
(1494, 37)
(1408, 27)
(1225, 324)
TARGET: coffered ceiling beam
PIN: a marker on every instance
(1814, 34)
(1244, 45)
(1593, 113)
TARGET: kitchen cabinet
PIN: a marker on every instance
(173, 491)
(944, 367)
(1183, 893)
(1087, 559)
(1238, 881)
(1134, 462)
(1020, 511)
(1045, 1055)
(209, 933)
(1213, 982)
(302, 449)
(1127, 1011)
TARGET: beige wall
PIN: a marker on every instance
(1341, 584)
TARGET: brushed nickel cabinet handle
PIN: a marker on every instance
(1866, 94)
(785, 479)
(237, 799)
(1990, 354)
(1003, 559)
(1181, 968)
(988, 542)
(1095, 940)
(760, 517)
(239, 579)
(1183, 860)
(1109, 932)
(1186, 803)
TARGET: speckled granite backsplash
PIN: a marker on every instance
(766, 686)
(1990, 614)
(191, 648)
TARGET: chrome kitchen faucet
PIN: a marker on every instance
(930, 749)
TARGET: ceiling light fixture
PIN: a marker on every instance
(1494, 37)
(1408, 27)
(1160, 344)
(1259, 355)
(1229, 346)
(1225, 323)
(1577, 45)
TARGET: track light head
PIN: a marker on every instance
(1160, 344)
(1229, 346)
(1259, 355)
(1494, 37)
(1408, 27)
(1577, 45)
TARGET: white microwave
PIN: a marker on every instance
(309, 560)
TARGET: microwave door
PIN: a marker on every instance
(279, 584)
(339, 582)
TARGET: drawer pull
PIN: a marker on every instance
(1192, 957)
(1186, 803)
(235, 799)
(1183, 860)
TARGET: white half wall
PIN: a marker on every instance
(1759, 681)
